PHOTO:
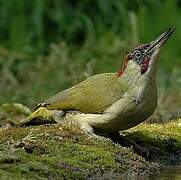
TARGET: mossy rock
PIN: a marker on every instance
(55, 151)
(163, 141)
(64, 151)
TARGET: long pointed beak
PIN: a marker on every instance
(158, 42)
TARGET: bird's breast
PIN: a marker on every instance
(131, 110)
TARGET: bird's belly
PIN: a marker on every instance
(129, 113)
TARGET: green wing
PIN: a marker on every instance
(94, 95)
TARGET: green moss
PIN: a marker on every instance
(56, 151)
(163, 140)
(63, 151)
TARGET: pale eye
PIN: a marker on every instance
(137, 54)
(144, 50)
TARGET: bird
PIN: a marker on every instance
(112, 102)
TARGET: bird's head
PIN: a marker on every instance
(143, 59)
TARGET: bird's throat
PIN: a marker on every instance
(144, 65)
(138, 75)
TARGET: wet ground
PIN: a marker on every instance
(167, 173)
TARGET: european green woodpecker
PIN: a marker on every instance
(112, 102)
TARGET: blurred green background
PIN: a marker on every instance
(49, 45)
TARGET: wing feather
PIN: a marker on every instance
(94, 95)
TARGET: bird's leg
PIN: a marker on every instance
(43, 115)
(87, 128)
(87, 121)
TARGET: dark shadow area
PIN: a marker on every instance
(167, 151)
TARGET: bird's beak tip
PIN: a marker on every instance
(158, 42)
(173, 28)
